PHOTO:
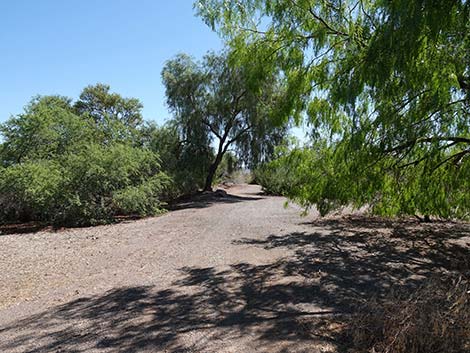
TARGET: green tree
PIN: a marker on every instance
(214, 101)
(47, 128)
(30, 191)
(385, 85)
(185, 161)
(102, 181)
(116, 117)
(65, 165)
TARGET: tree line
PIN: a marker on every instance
(87, 161)
(382, 86)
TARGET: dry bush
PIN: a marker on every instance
(435, 318)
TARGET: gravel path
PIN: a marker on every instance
(235, 273)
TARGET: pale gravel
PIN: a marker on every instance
(180, 282)
(44, 270)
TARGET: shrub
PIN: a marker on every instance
(186, 163)
(144, 199)
(229, 169)
(103, 181)
(68, 166)
(277, 177)
(30, 190)
(88, 187)
(48, 128)
(272, 178)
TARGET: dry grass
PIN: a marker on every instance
(435, 318)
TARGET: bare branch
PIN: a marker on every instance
(214, 131)
(237, 136)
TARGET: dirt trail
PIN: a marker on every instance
(235, 273)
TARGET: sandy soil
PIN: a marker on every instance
(234, 273)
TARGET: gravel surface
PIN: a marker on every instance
(225, 273)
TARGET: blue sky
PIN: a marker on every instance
(60, 46)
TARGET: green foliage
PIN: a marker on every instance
(29, 190)
(98, 174)
(64, 168)
(216, 102)
(116, 118)
(87, 187)
(273, 177)
(323, 177)
(143, 199)
(229, 164)
(385, 86)
(276, 177)
(47, 128)
(186, 163)
(228, 169)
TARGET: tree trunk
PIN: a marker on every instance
(212, 170)
(223, 147)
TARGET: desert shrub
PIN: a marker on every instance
(30, 190)
(277, 177)
(88, 187)
(273, 178)
(144, 199)
(435, 318)
(321, 176)
(228, 168)
(192, 168)
(68, 169)
(48, 128)
(102, 181)
(186, 163)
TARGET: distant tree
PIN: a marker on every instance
(214, 101)
(186, 163)
(115, 117)
(48, 127)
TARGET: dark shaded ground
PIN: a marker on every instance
(140, 318)
(207, 199)
(197, 200)
(23, 228)
(294, 303)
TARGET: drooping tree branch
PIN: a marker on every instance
(413, 142)
(456, 157)
(464, 82)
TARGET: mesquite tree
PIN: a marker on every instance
(385, 86)
(219, 104)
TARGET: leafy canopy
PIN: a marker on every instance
(385, 86)
(115, 117)
(215, 102)
(78, 164)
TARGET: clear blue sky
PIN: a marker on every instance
(60, 46)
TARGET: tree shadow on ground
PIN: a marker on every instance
(355, 260)
(28, 228)
(207, 199)
(139, 319)
(200, 200)
(24, 228)
(290, 305)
